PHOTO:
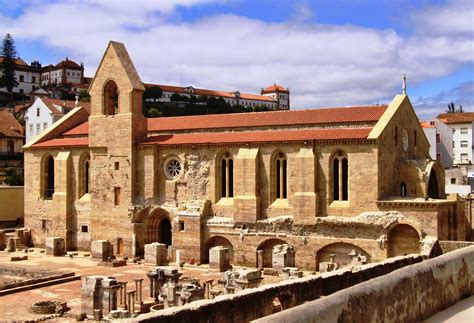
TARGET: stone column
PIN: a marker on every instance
(152, 277)
(260, 259)
(138, 289)
(124, 290)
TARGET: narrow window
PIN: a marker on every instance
(281, 177)
(340, 177)
(49, 178)
(403, 190)
(396, 136)
(111, 98)
(116, 165)
(86, 176)
(415, 139)
(181, 225)
(43, 224)
(227, 176)
(37, 112)
(453, 180)
(117, 196)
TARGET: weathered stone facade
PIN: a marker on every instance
(326, 181)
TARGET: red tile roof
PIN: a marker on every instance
(9, 127)
(18, 61)
(67, 64)
(259, 136)
(64, 142)
(459, 117)
(269, 118)
(82, 129)
(275, 88)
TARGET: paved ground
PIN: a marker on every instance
(461, 312)
(16, 306)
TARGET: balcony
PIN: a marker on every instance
(5, 155)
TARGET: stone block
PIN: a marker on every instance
(101, 250)
(291, 273)
(55, 246)
(283, 256)
(98, 293)
(219, 258)
(156, 254)
(11, 247)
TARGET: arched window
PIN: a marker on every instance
(87, 175)
(48, 178)
(403, 189)
(396, 136)
(340, 177)
(111, 98)
(281, 166)
(226, 176)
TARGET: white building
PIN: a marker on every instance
(274, 97)
(28, 77)
(440, 137)
(461, 125)
(44, 112)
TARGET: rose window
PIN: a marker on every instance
(173, 168)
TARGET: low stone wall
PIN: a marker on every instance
(448, 246)
(411, 294)
(12, 203)
(253, 303)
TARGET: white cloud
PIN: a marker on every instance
(324, 65)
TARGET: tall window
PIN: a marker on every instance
(403, 189)
(84, 187)
(396, 136)
(111, 98)
(227, 176)
(48, 178)
(340, 177)
(281, 179)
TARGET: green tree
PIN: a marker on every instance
(9, 54)
(84, 96)
(12, 178)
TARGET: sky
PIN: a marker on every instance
(327, 52)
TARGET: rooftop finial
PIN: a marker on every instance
(404, 84)
(77, 100)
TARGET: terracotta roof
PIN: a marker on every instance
(259, 136)
(68, 64)
(64, 142)
(82, 129)
(269, 118)
(20, 107)
(9, 127)
(52, 103)
(274, 88)
(426, 124)
(206, 92)
(458, 117)
(18, 61)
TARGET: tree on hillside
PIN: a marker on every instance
(9, 54)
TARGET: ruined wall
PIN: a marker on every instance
(411, 294)
(257, 302)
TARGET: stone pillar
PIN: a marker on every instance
(101, 250)
(11, 244)
(55, 246)
(138, 288)
(304, 200)
(246, 198)
(98, 292)
(260, 259)
(156, 254)
(109, 287)
(219, 258)
(283, 256)
(152, 278)
(3, 242)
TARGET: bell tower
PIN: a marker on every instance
(116, 126)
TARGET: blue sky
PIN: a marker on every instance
(329, 53)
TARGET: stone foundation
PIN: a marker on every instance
(219, 258)
(55, 246)
(101, 250)
(156, 254)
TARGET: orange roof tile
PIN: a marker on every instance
(18, 61)
(9, 127)
(82, 129)
(64, 142)
(67, 64)
(458, 117)
(259, 136)
(426, 124)
(274, 88)
(269, 118)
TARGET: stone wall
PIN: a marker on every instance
(11, 203)
(411, 294)
(258, 302)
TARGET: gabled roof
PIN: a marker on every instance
(9, 127)
(458, 117)
(269, 118)
(259, 136)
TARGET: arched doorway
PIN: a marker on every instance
(344, 254)
(158, 228)
(164, 229)
(403, 239)
(267, 248)
(433, 185)
(214, 242)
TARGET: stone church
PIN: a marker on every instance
(327, 181)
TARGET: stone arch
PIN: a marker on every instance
(434, 183)
(110, 98)
(342, 252)
(403, 239)
(279, 175)
(158, 227)
(267, 248)
(214, 242)
(47, 186)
